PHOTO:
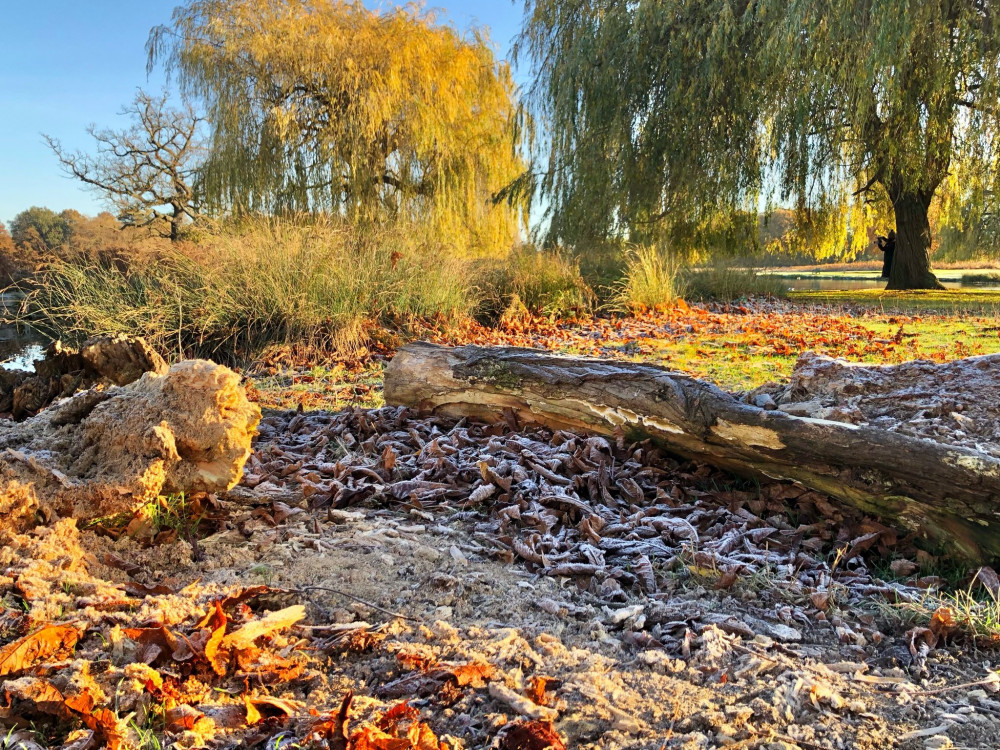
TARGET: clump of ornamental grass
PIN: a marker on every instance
(651, 280)
(533, 281)
(242, 288)
(727, 284)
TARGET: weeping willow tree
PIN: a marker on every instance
(661, 114)
(326, 106)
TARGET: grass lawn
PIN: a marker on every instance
(736, 346)
(954, 275)
(961, 301)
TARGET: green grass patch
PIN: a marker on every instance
(947, 300)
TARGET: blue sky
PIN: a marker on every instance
(66, 64)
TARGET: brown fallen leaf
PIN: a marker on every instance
(988, 579)
(157, 645)
(903, 568)
(334, 729)
(530, 735)
(21, 739)
(728, 579)
(34, 695)
(244, 637)
(267, 707)
(83, 739)
(43, 643)
(432, 681)
(182, 718)
(820, 600)
(142, 589)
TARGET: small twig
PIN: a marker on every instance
(991, 680)
(367, 603)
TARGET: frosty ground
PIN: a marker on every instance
(446, 565)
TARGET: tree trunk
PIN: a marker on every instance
(911, 266)
(175, 224)
(946, 494)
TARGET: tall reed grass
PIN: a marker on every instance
(726, 283)
(651, 280)
(265, 282)
(536, 281)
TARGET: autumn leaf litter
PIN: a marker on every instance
(384, 581)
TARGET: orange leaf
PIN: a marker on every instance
(539, 687)
(943, 622)
(267, 706)
(43, 643)
(182, 717)
(212, 650)
(373, 738)
(400, 712)
(215, 618)
(476, 675)
(101, 721)
(253, 715)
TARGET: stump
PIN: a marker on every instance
(106, 451)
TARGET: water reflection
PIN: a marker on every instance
(850, 285)
(20, 346)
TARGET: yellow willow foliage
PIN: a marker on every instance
(327, 106)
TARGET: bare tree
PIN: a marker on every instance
(145, 172)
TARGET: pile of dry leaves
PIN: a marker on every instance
(953, 403)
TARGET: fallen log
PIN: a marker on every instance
(111, 450)
(946, 494)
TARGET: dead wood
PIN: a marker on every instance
(947, 494)
(116, 360)
(108, 451)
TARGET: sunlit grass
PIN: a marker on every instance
(982, 301)
(253, 286)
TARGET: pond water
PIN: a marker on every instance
(20, 346)
(819, 283)
(851, 285)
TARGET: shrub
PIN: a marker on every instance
(727, 283)
(651, 280)
(537, 281)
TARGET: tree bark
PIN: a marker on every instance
(911, 267)
(175, 222)
(946, 494)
